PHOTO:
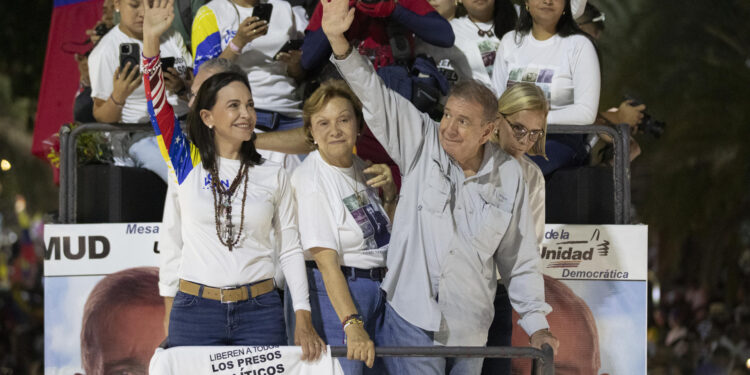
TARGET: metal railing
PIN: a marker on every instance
(69, 141)
(69, 161)
(542, 360)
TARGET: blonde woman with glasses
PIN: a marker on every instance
(520, 130)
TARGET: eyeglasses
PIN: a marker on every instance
(520, 131)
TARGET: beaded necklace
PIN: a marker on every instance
(481, 32)
(223, 206)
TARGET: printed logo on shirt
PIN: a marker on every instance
(370, 218)
(541, 77)
(228, 35)
(207, 182)
(488, 50)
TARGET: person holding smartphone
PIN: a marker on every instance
(119, 96)
(251, 33)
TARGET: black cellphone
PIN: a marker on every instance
(166, 63)
(129, 52)
(291, 45)
(263, 12)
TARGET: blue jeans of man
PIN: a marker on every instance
(370, 303)
(398, 332)
(500, 333)
(197, 321)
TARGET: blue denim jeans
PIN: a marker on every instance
(399, 332)
(197, 321)
(500, 333)
(563, 150)
(274, 121)
(370, 303)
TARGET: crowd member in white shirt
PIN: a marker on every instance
(478, 26)
(117, 91)
(345, 226)
(228, 29)
(548, 49)
(478, 34)
(230, 214)
(519, 131)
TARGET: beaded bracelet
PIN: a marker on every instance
(353, 319)
(150, 71)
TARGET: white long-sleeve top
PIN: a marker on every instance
(565, 68)
(190, 246)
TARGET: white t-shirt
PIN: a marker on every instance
(331, 216)
(566, 69)
(105, 58)
(191, 249)
(479, 50)
(272, 89)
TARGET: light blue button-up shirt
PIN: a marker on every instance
(450, 231)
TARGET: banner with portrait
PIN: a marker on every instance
(596, 282)
(119, 262)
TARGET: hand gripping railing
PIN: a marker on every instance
(69, 140)
(621, 171)
(69, 161)
(542, 360)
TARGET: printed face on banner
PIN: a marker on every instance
(595, 280)
(572, 322)
(122, 323)
(130, 338)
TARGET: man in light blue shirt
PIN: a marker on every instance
(462, 212)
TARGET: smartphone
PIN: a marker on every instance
(129, 52)
(291, 45)
(263, 12)
(166, 63)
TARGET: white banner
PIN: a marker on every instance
(240, 360)
(99, 249)
(595, 252)
(595, 279)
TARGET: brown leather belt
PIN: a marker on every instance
(227, 295)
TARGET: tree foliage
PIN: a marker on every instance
(689, 61)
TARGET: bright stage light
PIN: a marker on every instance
(5, 165)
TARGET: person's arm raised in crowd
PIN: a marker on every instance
(206, 39)
(586, 87)
(395, 122)
(430, 27)
(519, 263)
(177, 150)
(291, 141)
